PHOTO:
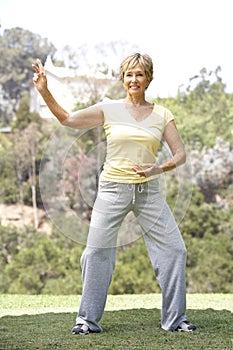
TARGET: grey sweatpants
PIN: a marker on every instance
(163, 241)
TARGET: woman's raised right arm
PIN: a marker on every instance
(86, 118)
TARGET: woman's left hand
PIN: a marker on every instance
(147, 170)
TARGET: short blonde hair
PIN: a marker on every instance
(136, 58)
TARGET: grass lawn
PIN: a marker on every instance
(43, 322)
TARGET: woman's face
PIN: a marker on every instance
(135, 81)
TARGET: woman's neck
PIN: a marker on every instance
(136, 100)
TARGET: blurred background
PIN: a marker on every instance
(48, 172)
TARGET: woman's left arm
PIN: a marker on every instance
(172, 137)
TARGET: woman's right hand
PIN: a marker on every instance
(39, 78)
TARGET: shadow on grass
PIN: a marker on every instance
(134, 329)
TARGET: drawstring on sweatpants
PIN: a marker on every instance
(140, 188)
(133, 187)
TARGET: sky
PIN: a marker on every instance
(181, 36)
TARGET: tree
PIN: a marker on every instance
(207, 109)
(20, 160)
(18, 50)
(32, 138)
(23, 117)
(26, 138)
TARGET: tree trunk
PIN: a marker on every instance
(33, 188)
(35, 212)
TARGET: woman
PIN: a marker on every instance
(129, 182)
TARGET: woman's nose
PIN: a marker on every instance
(134, 77)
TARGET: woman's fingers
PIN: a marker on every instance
(36, 69)
(39, 68)
(139, 171)
(39, 71)
(35, 77)
(147, 170)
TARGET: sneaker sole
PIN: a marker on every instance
(80, 333)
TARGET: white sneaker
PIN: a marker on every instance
(185, 326)
(81, 329)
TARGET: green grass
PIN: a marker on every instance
(129, 322)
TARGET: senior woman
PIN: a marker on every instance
(128, 182)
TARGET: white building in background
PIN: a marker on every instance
(69, 86)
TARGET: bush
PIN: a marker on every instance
(210, 264)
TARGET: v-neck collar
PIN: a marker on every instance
(132, 117)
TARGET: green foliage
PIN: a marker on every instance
(20, 153)
(133, 272)
(41, 266)
(7, 174)
(207, 109)
(8, 192)
(34, 263)
(202, 110)
(23, 116)
(210, 264)
(18, 49)
(9, 240)
(201, 218)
